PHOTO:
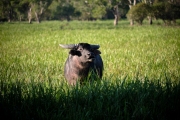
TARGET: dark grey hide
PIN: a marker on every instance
(84, 62)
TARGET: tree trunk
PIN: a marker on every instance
(30, 15)
(38, 13)
(116, 15)
(20, 18)
(115, 20)
(131, 22)
(150, 17)
(130, 6)
(150, 20)
(37, 17)
(9, 20)
(9, 16)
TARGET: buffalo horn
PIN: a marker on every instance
(95, 46)
(68, 46)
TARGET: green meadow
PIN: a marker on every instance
(141, 78)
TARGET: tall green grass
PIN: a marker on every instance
(141, 76)
(123, 100)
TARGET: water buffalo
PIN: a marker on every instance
(83, 63)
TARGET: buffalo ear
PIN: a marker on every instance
(97, 52)
(75, 52)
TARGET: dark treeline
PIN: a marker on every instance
(134, 10)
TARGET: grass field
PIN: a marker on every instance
(141, 77)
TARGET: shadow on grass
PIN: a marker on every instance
(121, 99)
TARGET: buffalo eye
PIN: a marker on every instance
(80, 49)
(74, 52)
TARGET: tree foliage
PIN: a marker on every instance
(160, 9)
(167, 10)
(139, 12)
(7, 9)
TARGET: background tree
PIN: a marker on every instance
(52, 8)
(21, 10)
(86, 8)
(38, 7)
(131, 3)
(138, 12)
(167, 11)
(150, 12)
(91, 9)
(114, 5)
(7, 9)
(99, 10)
(63, 9)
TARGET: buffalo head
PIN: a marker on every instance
(84, 51)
